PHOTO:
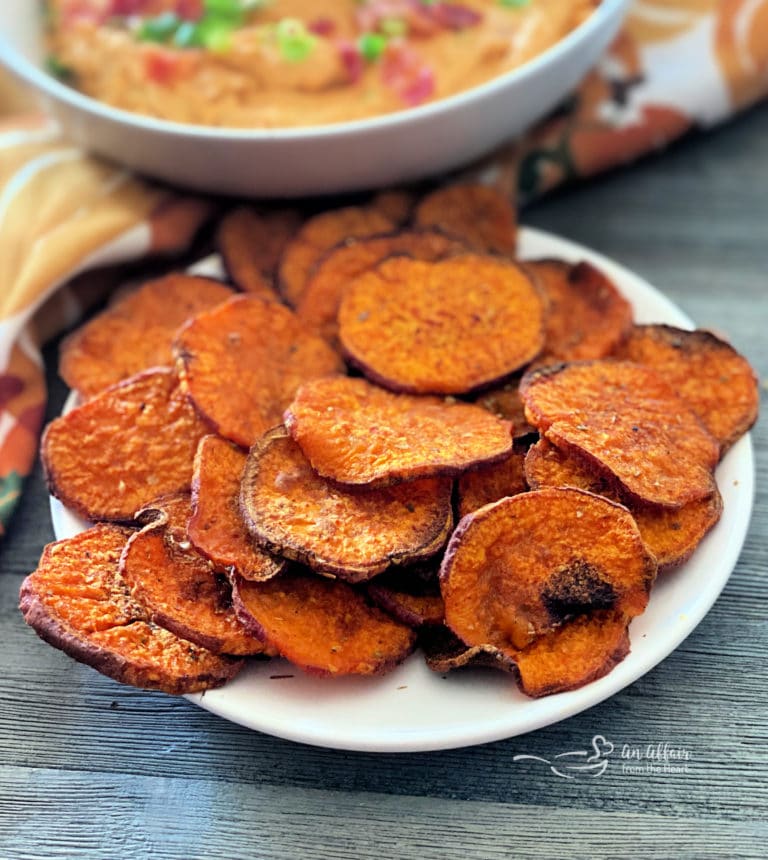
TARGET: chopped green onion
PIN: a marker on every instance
(188, 36)
(514, 4)
(372, 46)
(215, 35)
(232, 9)
(158, 29)
(294, 40)
(55, 67)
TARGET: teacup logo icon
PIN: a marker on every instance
(578, 763)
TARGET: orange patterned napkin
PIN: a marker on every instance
(678, 64)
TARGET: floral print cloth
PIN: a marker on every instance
(677, 65)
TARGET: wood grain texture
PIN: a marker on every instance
(92, 769)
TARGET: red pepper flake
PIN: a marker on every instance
(161, 66)
(322, 27)
(353, 60)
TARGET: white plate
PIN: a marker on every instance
(413, 709)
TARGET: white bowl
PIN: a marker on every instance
(315, 160)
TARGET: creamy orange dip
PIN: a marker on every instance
(289, 63)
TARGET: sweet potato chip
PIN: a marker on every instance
(322, 625)
(479, 215)
(319, 305)
(707, 373)
(506, 402)
(243, 361)
(486, 484)
(521, 567)
(353, 533)
(628, 420)
(394, 204)
(129, 444)
(444, 652)
(78, 602)
(671, 534)
(216, 527)
(317, 236)
(356, 433)
(251, 244)
(136, 332)
(581, 651)
(444, 327)
(587, 317)
(179, 588)
(410, 594)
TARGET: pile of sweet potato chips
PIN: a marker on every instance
(384, 431)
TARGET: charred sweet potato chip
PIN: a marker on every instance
(317, 236)
(671, 534)
(242, 363)
(506, 402)
(707, 373)
(129, 444)
(322, 625)
(216, 527)
(581, 651)
(395, 204)
(444, 327)
(444, 652)
(319, 305)
(628, 420)
(486, 484)
(356, 433)
(479, 215)
(136, 332)
(78, 602)
(410, 594)
(353, 533)
(587, 317)
(179, 588)
(251, 244)
(519, 568)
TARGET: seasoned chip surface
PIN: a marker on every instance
(111, 456)
(479, 215)
(627, 419)
(505, 402)
(356, 433)
(322, 625)
(318, 235)
(353, 533)
(216, 527)
(335, 271)
(136, 332)
(78, 602)
(707, 373)
(410, 594)
(243, 362)
(587, 317)
(179, 588)
(251, 244)
(490, 483)
(581, 651)
(443, 327)
(521, 567)
(671, 534)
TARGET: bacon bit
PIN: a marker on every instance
(404, 71)
(190, 10)
(322, 26)
(352, 59)
(124, 8)
(161, 66)
(452, 16)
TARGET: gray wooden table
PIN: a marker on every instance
(89, 768)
